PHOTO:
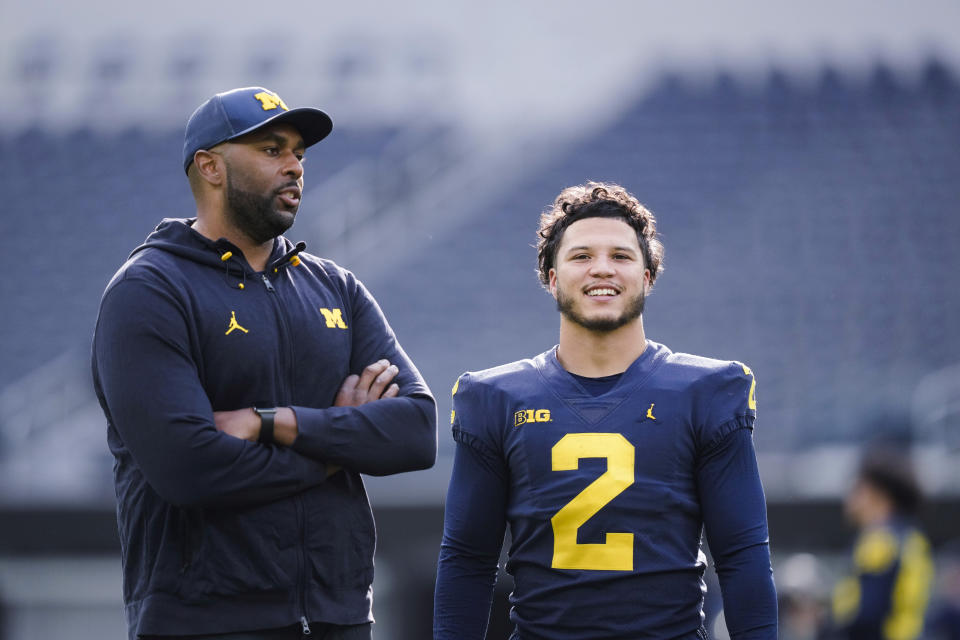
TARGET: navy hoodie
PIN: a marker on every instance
(220, 534)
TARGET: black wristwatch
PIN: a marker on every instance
(266, 424)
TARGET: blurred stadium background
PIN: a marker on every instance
(804, 164)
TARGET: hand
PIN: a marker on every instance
(369, 386)
(240, 423)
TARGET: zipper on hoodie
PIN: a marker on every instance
(305, 626)
(267, 283)
(303, 565)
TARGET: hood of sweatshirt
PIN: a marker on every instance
(177, 236)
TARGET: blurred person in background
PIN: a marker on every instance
(607, 455)
(246, 385)
(888, 592)
(944, 619)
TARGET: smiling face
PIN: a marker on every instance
(264, 181)
(599, 278)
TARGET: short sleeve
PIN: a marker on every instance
(731, 402)
(468, 419)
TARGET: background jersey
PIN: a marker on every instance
(886, 598)
(604, 502)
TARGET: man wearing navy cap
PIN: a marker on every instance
(246, 385)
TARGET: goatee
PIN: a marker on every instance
(633, 310)
(255, 215)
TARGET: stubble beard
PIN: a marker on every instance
(254, 214)
(634, 309)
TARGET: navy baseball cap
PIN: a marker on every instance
(231, 114)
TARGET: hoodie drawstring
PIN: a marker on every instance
(243, 274)
(289, 258)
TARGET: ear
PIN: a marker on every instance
(210, 166)
(647, 284)
(553, 281)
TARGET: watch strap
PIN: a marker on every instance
(266, 424)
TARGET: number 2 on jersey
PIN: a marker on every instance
(616, 554)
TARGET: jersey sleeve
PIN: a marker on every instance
(728, 402)
(474, 403)
(735, 519)
(733, 504)
(474, 523)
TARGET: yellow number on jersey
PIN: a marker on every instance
(752, 399)
(616, 554)
(453, 413)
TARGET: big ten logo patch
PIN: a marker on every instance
(530, 415)
(333, 318)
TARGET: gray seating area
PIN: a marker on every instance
(810, 225)
(811, 231)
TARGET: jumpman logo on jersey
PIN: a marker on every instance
(234, 324)
(650, 412)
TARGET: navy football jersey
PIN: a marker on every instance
(602, 493)
(889, 590)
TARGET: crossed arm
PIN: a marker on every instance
(374, 383)
(192, 456)
(370, 385)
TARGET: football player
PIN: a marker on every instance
(607, 456)
(888, 591)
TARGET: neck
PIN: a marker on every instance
(215, 227)
(593, 354)
(876, 516)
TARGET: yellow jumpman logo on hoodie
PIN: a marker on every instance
(234, 324)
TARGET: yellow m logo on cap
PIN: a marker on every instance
(270, 101)
(333, 317)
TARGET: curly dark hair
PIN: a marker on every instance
(596, 200)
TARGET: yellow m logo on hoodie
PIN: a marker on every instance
(333, 317)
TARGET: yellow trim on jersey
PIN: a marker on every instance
(876, 551)
(846, 600)
(752, 397)
(911, 590)
(453, 413)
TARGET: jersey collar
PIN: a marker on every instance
(592, 408)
